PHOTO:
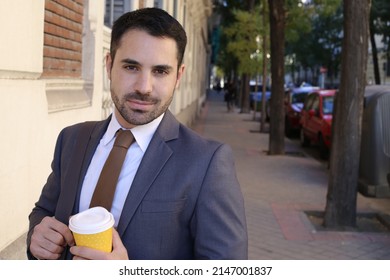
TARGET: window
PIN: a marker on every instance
(298, 98)
(114, 9)
(309, 102)
(158, 4)
(327, 105)
(316, 103)
(175, 15)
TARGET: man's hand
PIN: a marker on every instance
(119, 251)
(50, 238)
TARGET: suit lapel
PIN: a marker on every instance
(96, 136)
(85, 145)
(155, 158)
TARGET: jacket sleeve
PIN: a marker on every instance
(219, 222)
(48, 199)
(59, 192)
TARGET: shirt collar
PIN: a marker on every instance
(142, 133)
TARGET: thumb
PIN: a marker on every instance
(116, 240)
(119, 251)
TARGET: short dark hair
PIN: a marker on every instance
(155, 22)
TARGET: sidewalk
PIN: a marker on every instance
(279, 189)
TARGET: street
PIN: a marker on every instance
(279, 191)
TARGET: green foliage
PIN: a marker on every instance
(317, 37)
(241, 40)
(297, 20)
(300, 17)
(326, 8)
(313, 34)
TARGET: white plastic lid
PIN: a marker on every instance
(92, 220)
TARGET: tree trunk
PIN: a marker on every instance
(277, 24)
(264, 89)
(246, 77)
(245, 94)
(340, 211)
(374, 52)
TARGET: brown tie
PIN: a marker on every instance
(105, 187)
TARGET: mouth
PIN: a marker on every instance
(140, 105)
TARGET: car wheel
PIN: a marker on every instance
(324, 151)
(304, 140)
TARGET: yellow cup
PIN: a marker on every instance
(93, 228)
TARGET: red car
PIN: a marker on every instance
(293, 104)
(316, 120)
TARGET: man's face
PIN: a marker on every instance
(143, 75)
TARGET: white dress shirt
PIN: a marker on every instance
(142, 134)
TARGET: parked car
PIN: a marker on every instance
(293, 96)
(255, 96)
(293, 104)
(316, 120)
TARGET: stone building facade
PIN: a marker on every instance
(52, 75)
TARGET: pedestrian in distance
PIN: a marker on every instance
(230, 96)
(177, 195)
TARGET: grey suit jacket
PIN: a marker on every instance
(185, 201)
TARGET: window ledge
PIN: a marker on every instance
(68, 94)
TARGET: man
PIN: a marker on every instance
(230, 95)
(177, 195)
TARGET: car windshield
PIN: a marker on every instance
(327, 105)
(298, 97)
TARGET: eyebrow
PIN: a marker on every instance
(164, 67)
(130, 61)
(134, 62)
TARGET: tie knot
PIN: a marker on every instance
(124, 138)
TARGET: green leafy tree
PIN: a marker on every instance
(315, 41)
(225, 61)
(298, 20)
(243, 47)
(242, 40)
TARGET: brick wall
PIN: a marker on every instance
(62, 52)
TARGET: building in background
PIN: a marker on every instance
(52, 75)
(383, 63)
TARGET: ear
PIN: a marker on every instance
(108, 65)
(180, 73)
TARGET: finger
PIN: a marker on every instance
(43, 254)
(52, 246)
(43, 248)
(119, 251)
(45, 241)
(54, 230)
(63, 230)
(116, 240)
(81, 252)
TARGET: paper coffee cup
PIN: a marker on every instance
(93, 228)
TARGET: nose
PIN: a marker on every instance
(143, 84)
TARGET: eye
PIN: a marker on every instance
(161, 71)
(130, 67)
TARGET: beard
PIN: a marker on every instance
(139, 117)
